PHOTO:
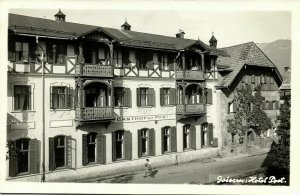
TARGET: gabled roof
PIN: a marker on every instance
(45, 27)
(240, 55)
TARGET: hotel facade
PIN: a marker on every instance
(90, 101)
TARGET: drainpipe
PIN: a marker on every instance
(43, 112)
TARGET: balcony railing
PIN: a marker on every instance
(94, 113)
(190, 74)
(94, 70)
(190, 109)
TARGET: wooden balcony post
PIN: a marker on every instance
(81, 60)
(112, 94)
(111, 52)
(202, 62)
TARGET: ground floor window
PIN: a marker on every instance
(24, 156)
(168, 139)
(206, 134)
(60, 151)
(121, 143)
(146, 142)
(93, 148)
(186, 136)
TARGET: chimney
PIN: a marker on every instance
(60, 16)
(180, 34)
(126, 26)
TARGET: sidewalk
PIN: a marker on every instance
(196, 172)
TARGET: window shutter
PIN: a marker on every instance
(69, 151)
(12, 158)
(101, 152)
(127, 97)
(51, 154)
(162, 141)
(270, 105)
(173, 139)
(276, 105)
(151, 142)
(161, 96)
(138, 96)
(151, 97)
(210, 133)
(193, 137)
(34, 149)
(70, 97)
(173, 96)
(84, 150)
(76, 98)
(209, 96)
(128, 145)
(11, 50)
(51, 97)
(139, 143)
(113, 138)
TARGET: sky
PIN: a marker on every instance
(229, 27)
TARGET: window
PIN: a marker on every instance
(122, 96)
(165, 96)
(56, 53)
(166, 139)
(208, 96)
(125, 57)
(22, 146)
(22, 96)
(122, 145)
(61, 97)
(179, 95)
(166, 62)
(96, 95)
(253, 79)
(186, 136)
(144, 59)
(91, 150)
(231, 107)
(60, 151)
(22, 51)
(24, 156)
(146, 142)
(271, 80)
(145, 97)
(206, 134)
(118, 58)
(262, 79)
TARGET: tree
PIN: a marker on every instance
(281, 151)
(258, 117)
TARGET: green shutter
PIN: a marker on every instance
(139, 143)
(127, 97)
(51, 154)
(173, 139)
(84, 150)
(138, 96)
(209, 96)
(151, 142)
(173, 96)
(34, 150)
(193, 137)
(13, 160)
(151, 97)
(128, 145)
(161, 96)
(69, 151)
(101, 149)
(210, 133)
(113, 139)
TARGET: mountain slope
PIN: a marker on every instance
(279, 52)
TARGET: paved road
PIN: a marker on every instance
(196, 172)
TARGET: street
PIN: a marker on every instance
(196, 172)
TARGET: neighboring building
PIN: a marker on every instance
(285, 88)
(87, 100)
(246, 64)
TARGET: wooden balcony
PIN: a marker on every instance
(94, 70)
(190, 75)
(190, 109)
(94, 113)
